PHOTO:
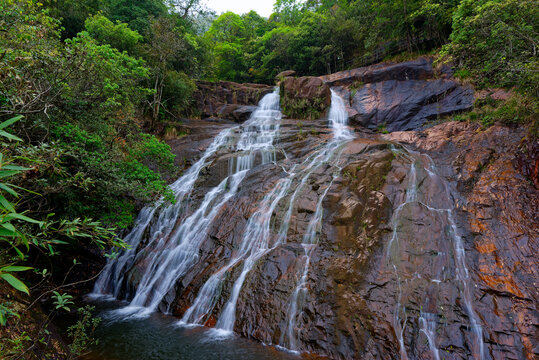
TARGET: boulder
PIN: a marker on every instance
(418, 69)
(211, 98)
(284, 74)
(304, 97)
(401, 96)
(408, 105)
(235, 112)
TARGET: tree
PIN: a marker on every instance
(165, 44)
(117, 35)
(497, 42)
(137, 14)
(289, 12)
(187, 8)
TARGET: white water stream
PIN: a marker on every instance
(173, 247)
(172, 253)
(443, 205)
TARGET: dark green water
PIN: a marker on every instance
(158, 337)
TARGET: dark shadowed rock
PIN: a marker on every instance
(210, 97)
(419, 69)
(235, 112)
(400, 96)
(407, 105)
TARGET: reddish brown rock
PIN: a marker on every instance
(501, 208)
(354, 284)
(283, 74)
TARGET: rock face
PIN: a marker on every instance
(400, 96)
(499, 208)
(228, 100)
(304, 97)
(428, 239)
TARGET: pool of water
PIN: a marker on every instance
(159, 337)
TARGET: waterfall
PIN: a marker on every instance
(255, 239)
(442, 206)
(338, 119)
(175, 234)
(170, 252)
(111, 279)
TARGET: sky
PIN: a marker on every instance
(262, 7)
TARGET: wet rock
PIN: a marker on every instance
(401, 96)
(407, 105)
(212, 98)
(235, 112)
(499, 210)
(360, 293)
(527, 160)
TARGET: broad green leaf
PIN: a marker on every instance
(13, 268)
(10, 121)
(7, 173)
(15, 167)
(9, 136)
(16, 283)
(6, 232)
(6, 204)
(8, 226)
(21, 255)
(8, 190)
(22, 217)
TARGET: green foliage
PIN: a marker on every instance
(10, 236)
(178, 90)
(109, 78)
(82, 332)
(137, 14)
(299, 108)
(319, 37)
(118, 35)
(6, 312)
(73, 13)
(62, 301)
(517, 110)
(495, 42)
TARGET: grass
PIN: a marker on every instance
(517, 110)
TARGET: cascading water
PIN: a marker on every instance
(111, 278)
(174, 253)
(178, 232)
(338, 119)
(442, 209)
(255, 240)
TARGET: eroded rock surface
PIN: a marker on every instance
(227, 99)
(401, 96)
(422, 232)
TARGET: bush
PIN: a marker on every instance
(495, 42)
(117, 35)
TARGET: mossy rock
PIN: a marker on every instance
(305, 97)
